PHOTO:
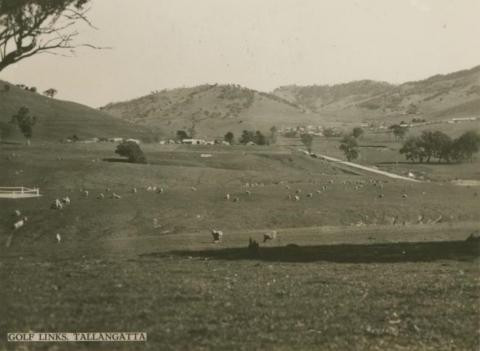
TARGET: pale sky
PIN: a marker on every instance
(261, 44)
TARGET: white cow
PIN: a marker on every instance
(271, 235)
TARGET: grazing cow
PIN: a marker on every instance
(101, 196)
(193, 188)
(17, 213)
(134, 190)
(85, 193)
(66, 200)
(404, 196)
(310, 195)
(381, 196)
(227, 196)
(298, 191)
(116, 196)
(160, 190)
(59, 238)
(271, 235)
(236, 199)
(248, 192)
(20, 223)
(297, 198)
(217, 235)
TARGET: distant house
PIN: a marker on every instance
(464, 119)
(115, 140)
(90, 141)
(194, 141)
(136, 141)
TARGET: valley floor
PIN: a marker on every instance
(349, 271)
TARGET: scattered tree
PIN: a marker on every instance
(349, 147)
(229, 137)
(307, 140)
(436, 144)
(357, 132)
(398, 131)
(247, 136)
(256, 137)
(413, 149)
(330, 133)
(25, 122)
(50, 92)
(260, 139)
(465, 146)
(273, 134)
(31, 27)
(132, 151)
(181, 134)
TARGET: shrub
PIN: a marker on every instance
(132, 151)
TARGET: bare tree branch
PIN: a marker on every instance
(31, 27)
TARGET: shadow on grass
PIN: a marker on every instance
(347, 253)
(113, 159)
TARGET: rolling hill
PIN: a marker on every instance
(452, 95)
(212, 110)
(58, 119)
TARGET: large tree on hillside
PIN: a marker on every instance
(307, 140)
(465, 146)
(25, 122)
(349, 147)
(31, 27)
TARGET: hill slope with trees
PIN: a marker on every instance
(56, 119)
(452, 95)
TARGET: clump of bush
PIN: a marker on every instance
(438, 145)
(256, 137)
(132, 151)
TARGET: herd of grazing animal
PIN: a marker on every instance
(217, 235)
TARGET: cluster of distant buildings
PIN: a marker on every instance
(93, 140)
(192, 141)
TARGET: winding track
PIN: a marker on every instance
(365, 168)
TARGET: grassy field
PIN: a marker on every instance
(341, 275)
(381, 150)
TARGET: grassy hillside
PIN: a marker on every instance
(451, 95)
(58, 119)
(212, 109)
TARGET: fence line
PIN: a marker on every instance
(19, 192)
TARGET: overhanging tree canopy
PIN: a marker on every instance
(30, 27)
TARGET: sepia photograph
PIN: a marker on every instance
(266, 175)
